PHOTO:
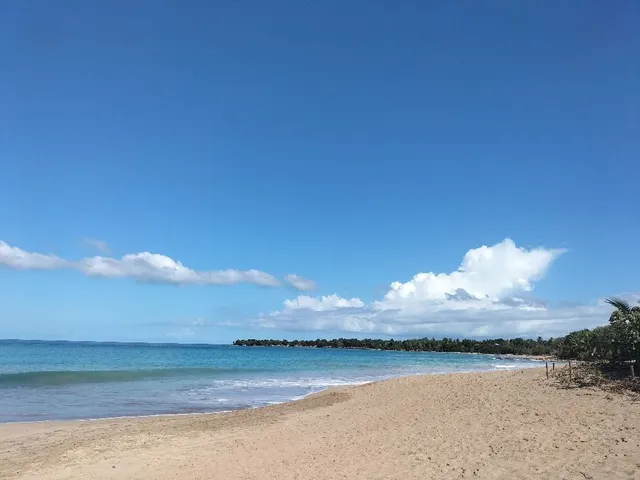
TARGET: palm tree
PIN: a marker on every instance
(619, 304)
(625, 321)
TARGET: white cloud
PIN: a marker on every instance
(300, 283)
(156, 268)
(321, 304)
(488, 295)
(199, 322)
(181, 334)
(462, 324)
(485, 275)
(143, 267)
(16, 258)
(98, 245)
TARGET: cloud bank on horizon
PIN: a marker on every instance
(143, 267)
(487, 296)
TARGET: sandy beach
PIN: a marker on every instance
(513, 425)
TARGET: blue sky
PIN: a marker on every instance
(353, 144)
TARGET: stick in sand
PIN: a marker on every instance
(569, 371)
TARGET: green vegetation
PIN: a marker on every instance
(616, 343)
(516, 346)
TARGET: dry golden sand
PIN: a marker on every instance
(512, 425)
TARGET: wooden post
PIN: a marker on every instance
(553, 366)
(569, 371)
(546, 366)
(633, 372)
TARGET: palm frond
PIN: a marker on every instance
(619, 304)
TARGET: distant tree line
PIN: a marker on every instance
(617, 342)
(516, 346)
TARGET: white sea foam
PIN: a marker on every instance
(506, 367)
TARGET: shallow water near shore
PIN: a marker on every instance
(76, 380)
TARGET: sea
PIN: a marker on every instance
(85, 380)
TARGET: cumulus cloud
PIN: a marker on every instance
(485, 275)
(143, 267)
(300, 283)
(321, 304)
(489, 294)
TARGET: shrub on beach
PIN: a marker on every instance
(618, 342)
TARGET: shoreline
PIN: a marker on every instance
(69, 422)
(297, 399)
(498, 424)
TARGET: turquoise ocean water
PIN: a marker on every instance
(73, 380)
